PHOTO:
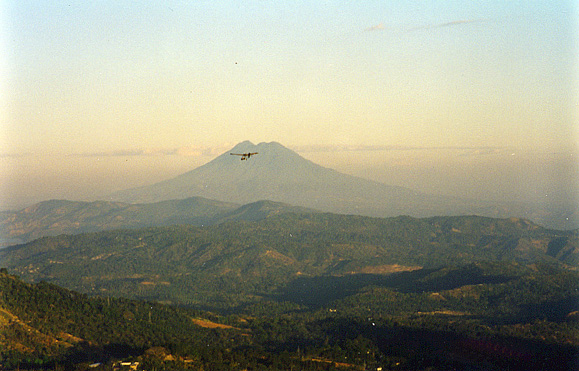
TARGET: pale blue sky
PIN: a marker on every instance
(172, 83)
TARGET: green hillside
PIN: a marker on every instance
(496, 316)
(242, 262)
(44, 325)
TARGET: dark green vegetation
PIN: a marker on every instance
(297, 291)
(497, 316)
(238, 263)
(44, 325)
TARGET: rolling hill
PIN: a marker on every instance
(54, 217)
(497, 316)
(310, 290)
(276, 173)
(240, 261)
(43, 325)
(280, 174)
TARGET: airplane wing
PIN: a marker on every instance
(244, 156)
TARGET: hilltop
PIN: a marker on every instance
(55, 217)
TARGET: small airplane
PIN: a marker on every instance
(244, 156)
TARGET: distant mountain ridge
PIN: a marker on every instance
(279, 174)
(276, 173)
(275, 180)
(54, 217)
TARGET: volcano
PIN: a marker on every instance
(277, 173)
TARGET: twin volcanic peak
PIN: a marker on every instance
(207, 194)
(280, 174)
(274, 174)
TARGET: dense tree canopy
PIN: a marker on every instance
(499, 313)
(295, 291)
(239, 262)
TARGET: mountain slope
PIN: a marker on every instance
(243, 261)
(276, 174)
(495, 316)
(56, 217)
(279, 174)
(42, 325)
(51, 218)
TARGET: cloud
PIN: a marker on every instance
(381, 26)
(447, 24)
(348, 148)
(377, 27)
(189, 151)
(202, 151)
(14, 155)
(464, 150)
(484, 151)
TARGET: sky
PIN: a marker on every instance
(471, 98)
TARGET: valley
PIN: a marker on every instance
(500, 315)
(240, 261)
(246, 283)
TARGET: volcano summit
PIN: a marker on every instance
(280, 174)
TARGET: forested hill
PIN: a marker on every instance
(491, 315)
(43, 325)
(242, 262)
(54, 217)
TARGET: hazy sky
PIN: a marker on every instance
(471, 98)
